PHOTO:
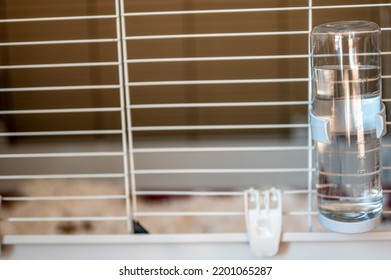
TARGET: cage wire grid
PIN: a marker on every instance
(122, 19)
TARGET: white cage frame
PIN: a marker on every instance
(297, 244)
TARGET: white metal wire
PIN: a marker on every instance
(222, 104)
(54, 88)
(57, 18)
(215, 35)
(58, 42)
(59, 65)
(118, 10)
(218, 149)
(252, 10)
(128, 114)
(209, 82)
(61, 133)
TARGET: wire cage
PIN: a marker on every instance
(134, 129)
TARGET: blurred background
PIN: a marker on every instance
(204, 100)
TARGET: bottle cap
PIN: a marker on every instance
(349, 227)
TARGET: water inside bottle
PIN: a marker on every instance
(348, 172)
(348, 184)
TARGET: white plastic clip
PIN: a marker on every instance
(381, 127)
(320, 128)
(263, 221)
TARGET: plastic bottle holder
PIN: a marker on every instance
(263, 220)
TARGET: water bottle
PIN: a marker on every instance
(347, 123)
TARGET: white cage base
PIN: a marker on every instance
(321, 246)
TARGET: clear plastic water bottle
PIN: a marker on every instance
(347, 123)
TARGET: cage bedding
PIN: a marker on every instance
(191, 209)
